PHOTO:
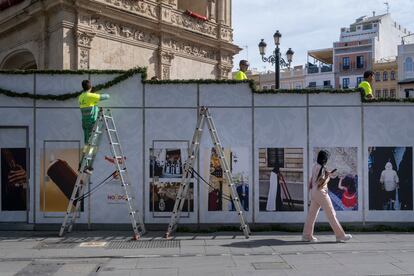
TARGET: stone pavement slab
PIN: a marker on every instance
(228, 254)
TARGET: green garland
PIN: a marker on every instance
(143, 71)
(60, 72)
(125, 75)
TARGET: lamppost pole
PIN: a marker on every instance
(277, 65)
(276, 58)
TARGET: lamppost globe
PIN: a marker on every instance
(262, 47)
(276, 59)
(277, 37)
(289, 55)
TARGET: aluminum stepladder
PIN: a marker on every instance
(204, 115)
(105, 122)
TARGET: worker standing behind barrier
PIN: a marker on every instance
(241, 74)
(367, 84)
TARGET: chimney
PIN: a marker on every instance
(373, 13)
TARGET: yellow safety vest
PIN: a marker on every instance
(367, 88)
(88, 99)
(240, 75)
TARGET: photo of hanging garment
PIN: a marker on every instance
(63, 176)
(397, 203)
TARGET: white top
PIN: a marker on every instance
(389, 178)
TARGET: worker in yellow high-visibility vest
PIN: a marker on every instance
(88, 103)
(366, 84)
(241, 74)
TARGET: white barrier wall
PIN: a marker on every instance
(257, 132)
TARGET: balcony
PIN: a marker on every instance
(313, 69)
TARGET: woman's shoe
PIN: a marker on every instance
(345, 238)
(307, 239)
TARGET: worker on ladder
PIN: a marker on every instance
(88, 103)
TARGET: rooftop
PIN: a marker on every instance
(366, 19)
(323, 55)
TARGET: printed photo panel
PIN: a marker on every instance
(219, 193)
(59, 164)
(281, 179)
(14, 179)
(343, 185)
(390, 177)
(166, 165)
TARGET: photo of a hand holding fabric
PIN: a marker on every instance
(13, 179)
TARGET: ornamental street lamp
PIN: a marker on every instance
(276, 58)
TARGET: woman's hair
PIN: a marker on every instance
(349, 183)
(322, 159)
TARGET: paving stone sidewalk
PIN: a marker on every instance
(270, 253)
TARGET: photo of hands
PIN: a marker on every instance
(343, 183)
(14, 179)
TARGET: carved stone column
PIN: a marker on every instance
(84, 41)
(212, 8)
(165, 59)
(228, 9)
(224, 65)
(223, 71)
(173, 3)
(221, 12)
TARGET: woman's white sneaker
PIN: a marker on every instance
(307, 239)
(347, 237)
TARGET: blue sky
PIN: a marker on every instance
(304, 24)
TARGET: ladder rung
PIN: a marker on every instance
(112, 129)
(109, 117)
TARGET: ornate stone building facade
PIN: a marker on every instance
(175, 39)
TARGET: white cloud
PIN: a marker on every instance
(304, 24)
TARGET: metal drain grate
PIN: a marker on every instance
(55, 245)
(143, 244)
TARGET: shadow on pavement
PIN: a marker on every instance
(271, 242)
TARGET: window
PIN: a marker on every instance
(345, 63)
(327, 83)
(359, 80)
(377, 93)
(273, 87)
(377, 76)
(360, 62)
(392, 75)
(199, 6)
(408, 65)
(385, 76)
(385, 93)
(265, 87)
(312, 84)
(367, 27)
(345, 83)
(392, 93)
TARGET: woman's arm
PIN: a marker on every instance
(340, 184)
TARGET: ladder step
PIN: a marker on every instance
(108, 117)
(112, 129)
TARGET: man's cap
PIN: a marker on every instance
(244, 62)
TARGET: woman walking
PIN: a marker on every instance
(318, 186)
